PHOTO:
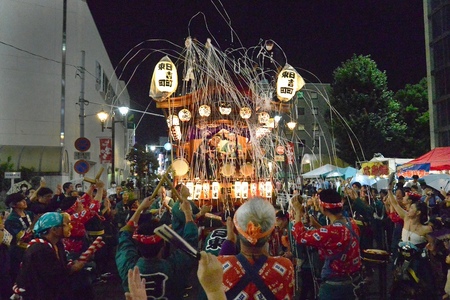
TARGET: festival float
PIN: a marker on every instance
(223, 112)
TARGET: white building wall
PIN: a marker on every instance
(30, 78)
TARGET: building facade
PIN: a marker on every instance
(315, 144)
(55, 76)
(437, 44)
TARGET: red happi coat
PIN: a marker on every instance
(277, 274)
(333, 241)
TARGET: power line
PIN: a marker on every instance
(43, 57)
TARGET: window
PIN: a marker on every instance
(314, 110)
(301, 111)
(302, 143)
(313, 95)
(301, 127)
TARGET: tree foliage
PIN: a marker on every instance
(142, 163)
(5, 166)
(413, 109)
(364, 119)
(8, 166)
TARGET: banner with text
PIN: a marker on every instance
(408, 170)
(375, 168)
(105, 150)
(290, 155)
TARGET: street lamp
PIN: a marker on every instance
(103, 116)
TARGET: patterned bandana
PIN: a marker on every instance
(47, 221)
(147, 239)
(330, 205)
(253, 232)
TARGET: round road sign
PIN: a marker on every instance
(82, 144)
(280, 150)
(81, 166)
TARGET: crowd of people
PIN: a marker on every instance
(57, 245)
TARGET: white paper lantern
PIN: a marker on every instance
(164, 79)
(237, 189)
(184, 115)
(215, 190)
(268, 189)
(245, 112)
(204, 110)
(206, 189)
(175, 131)
(288, 83)
(224, 107)
(244, 190)
(263, 117)
(197, 190)
(253, 189)
(190, 186)
(261, 188)
(173, 120)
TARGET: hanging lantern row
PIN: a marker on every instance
(204, 110)
(242, 190)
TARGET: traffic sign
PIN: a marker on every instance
(82, 155)
(279, 149)
(82, 144)
(12, 175)
(81, 166)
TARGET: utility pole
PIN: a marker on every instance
(81, 100)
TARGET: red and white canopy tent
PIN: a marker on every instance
(438, 158)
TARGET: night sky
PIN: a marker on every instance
(316, 35)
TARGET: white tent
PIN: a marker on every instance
(321, 171)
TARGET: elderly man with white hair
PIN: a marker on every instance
(252, 273)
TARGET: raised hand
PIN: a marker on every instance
(136, 285)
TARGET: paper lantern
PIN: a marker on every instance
(288, 83)
(224, 107)
(184, 115)
(237, 189)
(215, 190)
(261, 188)
(204, 110)
(247, 169)
(175, 131)
(206, 189)
(244, 190)
(253, 189)
(268, 189)
(190, 186)
(173, 120)
(263, 117)
(245, 112)
(164, 80)
(197, 190)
